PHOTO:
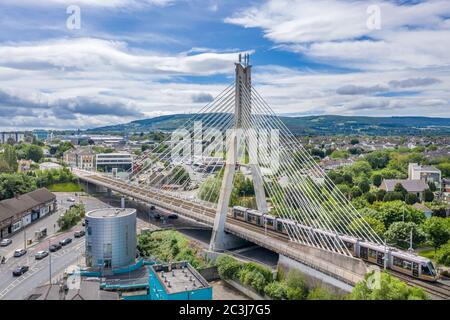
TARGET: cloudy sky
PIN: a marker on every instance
(134, 59)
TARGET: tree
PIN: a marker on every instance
(378, 159)
(179, 175)
(399, 234)
(387, 288)
(377, 179)
(356, 192)
(364, 186)
(437, 230)
(443, 255)
(393, 196)
(411, 198)
(357, 225)
(399, 188)
(339, 154)
(354, 141)
(428, 196)
(34, 152)
(370, 197)
(394, 211)
(432, 186)
(10, 157)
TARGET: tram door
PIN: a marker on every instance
(363, 253)
(415, 269)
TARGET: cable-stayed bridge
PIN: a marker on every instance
(299, 212)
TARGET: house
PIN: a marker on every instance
(18, 212)
(416, 187)
(429, 174)
(446, 190)
(427, 211)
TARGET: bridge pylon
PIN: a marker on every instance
(242, 112)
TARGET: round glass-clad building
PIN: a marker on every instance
(110, 237)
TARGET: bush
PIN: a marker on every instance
(253, 278)
(276, 290)
(228, 267)
(71, 217)
(320, 294)
(443, 255)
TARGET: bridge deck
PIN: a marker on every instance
(271, 240)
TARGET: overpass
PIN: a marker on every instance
(346, 269)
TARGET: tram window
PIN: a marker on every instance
(349, 245)
(426, 270)
(372, 253)
(398, 262)
(407, 265)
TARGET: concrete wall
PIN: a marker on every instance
(349, 263)
(314, 278)
(210, 273)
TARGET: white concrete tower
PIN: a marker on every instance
(242, 113)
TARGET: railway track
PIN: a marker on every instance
(435, 289)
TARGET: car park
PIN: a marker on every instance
(54, 247)
(65, 241)
(20, 270)
(79, 234)
(5, 242)
(19, 252)
(41, 255)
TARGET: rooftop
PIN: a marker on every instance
(179, 277)
(110, 212)
(25, 202)
(409, 185)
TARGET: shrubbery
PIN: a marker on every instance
(71, 217)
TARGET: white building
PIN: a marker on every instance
(429, 174)
(106, 162)
(14, 136)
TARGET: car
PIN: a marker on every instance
(41, 254)
(173, 216)
(157, 216)
(19, 252)
(5, 242)
(70, 199)
(79, 234)
(83, 223)
(65, 241)
(20, 270)
(54, 247)
(152, 207)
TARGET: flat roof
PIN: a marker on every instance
(180, 276)
(110, 212)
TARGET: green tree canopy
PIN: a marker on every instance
(437, 230)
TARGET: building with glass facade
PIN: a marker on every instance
(110, 238)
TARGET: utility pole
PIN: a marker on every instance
(49, 263)
(410, 240)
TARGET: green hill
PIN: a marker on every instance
(310, 125)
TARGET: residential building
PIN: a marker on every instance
(177, 281)
(429, 174)
(81, 158)
(106, 162)
(18, 212)
(427, 211)
(416, 187)
(49, 166)
(446, 190)
(12, 136)
(107, 139)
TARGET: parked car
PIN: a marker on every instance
(41, 255)
(70, 199)
(20, 270)
(79, 234)
(173, 216)
(19, 252)
(54, 247)
(5, 242)
(152, 207)
(65, 241)
(83, 223)
(157, 216)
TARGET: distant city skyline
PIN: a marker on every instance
(123, 60)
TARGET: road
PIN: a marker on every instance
(13, 288)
